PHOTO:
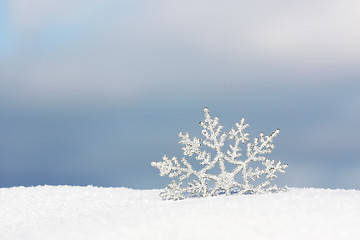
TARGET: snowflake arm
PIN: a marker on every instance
(173, 191)
(214, 139)
(240, 137)
(261, 146)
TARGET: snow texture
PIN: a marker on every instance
(92, 213)
(226, 180)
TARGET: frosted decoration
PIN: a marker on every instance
(241, 179)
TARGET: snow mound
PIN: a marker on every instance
(65, 212)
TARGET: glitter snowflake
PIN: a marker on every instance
(236, 175)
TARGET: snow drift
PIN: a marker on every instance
(65, 212)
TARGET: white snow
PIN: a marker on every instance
(65, 212)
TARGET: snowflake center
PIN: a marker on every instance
(225, 179)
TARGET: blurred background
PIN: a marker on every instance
(92, 91)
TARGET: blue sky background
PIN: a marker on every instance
(92, 91)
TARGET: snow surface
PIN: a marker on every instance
(65, 212)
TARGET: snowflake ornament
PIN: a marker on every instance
(236, 175)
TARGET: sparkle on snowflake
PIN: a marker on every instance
(241, 179)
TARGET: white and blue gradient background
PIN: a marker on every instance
(92, 91)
